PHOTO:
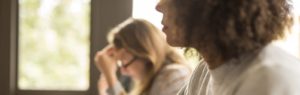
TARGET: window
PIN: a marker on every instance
(54, 44)
(145, 9)
(12, 53)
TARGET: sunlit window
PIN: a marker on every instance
(54, 44)
(145, 9)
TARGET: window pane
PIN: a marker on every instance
(54, 44)
(145, 9)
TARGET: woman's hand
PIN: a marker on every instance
(105, 61)
(102, 85)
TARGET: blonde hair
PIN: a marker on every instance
(145, 41)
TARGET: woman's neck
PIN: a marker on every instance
(213, 62)
(212, 57)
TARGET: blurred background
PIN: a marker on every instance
(55, 40)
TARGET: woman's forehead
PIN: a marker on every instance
(122, 52)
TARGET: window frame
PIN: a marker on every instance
(99, 26)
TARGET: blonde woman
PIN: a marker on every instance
(143, 54)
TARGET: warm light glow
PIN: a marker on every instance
(145, 9)
(292, 40)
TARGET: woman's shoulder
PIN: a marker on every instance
(175, 70)
(170, 79)
(176, 66)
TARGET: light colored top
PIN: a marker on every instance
(271, 72)
(169, 81)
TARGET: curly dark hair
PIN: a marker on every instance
(230, 28)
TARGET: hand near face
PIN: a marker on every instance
(105, 61)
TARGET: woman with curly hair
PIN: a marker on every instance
(234, 38)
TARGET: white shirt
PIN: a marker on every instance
(271, 72)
